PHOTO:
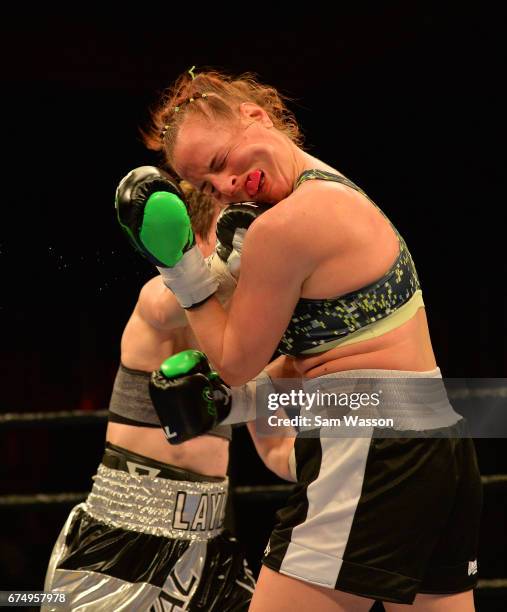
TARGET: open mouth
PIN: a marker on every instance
(254, 183)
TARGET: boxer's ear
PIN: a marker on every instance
(253, 112)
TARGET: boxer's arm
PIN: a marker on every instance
(274, 451)
(156, 323)
(158, 307)
(276, 260)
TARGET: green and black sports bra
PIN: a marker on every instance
(318, 325)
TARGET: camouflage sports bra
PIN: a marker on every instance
(320, 324)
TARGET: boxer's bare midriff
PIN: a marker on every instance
(207, 455)
(408, 348)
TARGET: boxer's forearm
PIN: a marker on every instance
(209, 322)
(226, 337)
(274, 451)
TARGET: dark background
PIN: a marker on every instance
(403, 98)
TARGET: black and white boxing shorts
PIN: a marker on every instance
(384, 514)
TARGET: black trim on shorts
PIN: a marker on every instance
(116, 458)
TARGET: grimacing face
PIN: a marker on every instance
(236, 161)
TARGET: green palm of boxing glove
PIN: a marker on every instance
(149, 207)
(190, 399)
(152, 213)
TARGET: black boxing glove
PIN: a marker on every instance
(232, 225)
(191, 399)
(141, 221)
(152, 212)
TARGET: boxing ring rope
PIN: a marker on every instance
(62, 417)
(245, 493)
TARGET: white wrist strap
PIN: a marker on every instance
(243, 405)
(190, 279)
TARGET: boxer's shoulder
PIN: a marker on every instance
(300, 216)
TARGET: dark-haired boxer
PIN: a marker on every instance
(150, 535)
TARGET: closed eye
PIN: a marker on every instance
(208, 188)
(222, 164)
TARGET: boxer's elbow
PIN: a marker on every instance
(237, 365)
(237, 373)
(233, 377)
(159, 308)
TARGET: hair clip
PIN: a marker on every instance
(177, 109)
